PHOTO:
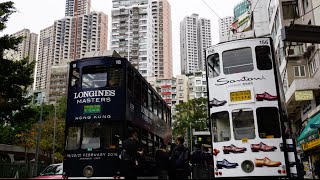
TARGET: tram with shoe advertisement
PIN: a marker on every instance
(247, 114)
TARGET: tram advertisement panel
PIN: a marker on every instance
(243, 102)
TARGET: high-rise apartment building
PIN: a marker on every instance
(204, 38)
(195, 36)
(79, 6)
(28, 47)
(59, 46)
(161, 12)
(132, 34)
(225, 27)
(92, 35)
(58, 83)
(45, 55)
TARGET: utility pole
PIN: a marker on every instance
(54, 130)
(38, 138)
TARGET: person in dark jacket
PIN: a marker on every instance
(198, 161)
(162, 159)
(181, 156)
(171, 171)
(130, 155)
(300, 170)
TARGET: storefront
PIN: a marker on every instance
(309, 140)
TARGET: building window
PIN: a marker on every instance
(299, 71)
(289, 9)
(198, 82)
(313, 66)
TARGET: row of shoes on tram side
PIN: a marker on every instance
(234, 149)
(254, 147)
(266, 96)
(260, 97)
(290, 147)
(216, 103)
(226, 164)
(258, 163)
(266, 162)
(262, 147)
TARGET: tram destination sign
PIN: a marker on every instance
(240, 96)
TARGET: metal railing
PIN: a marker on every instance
(21, 170)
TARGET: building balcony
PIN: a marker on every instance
(165, 93)
(293, 106)
(166, 86)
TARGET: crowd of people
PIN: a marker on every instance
(173, 162)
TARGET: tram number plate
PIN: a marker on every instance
(240, 96)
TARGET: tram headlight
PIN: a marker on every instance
(88, 171)
(247, 166)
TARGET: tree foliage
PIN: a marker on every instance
(15, 76)
(194, 113)
(28, 137)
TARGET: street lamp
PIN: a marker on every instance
(54, 129)
(38, 138)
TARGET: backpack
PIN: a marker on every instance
(182, 161)
(125, 155)
(198, 157)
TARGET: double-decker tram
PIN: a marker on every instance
(106, 95)
(246, 111)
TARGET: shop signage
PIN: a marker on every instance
(303, 95)
(311, 144)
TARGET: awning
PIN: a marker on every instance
(308, 131)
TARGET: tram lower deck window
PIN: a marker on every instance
(243, 124)
(221, 126)
(268, 122)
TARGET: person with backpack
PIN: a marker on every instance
(129, 155)
(180, 157)
(198, 161)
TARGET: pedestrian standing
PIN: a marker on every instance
(181, 156)
(198, 162)
(172, 168)
(129, 155)
(162, 159)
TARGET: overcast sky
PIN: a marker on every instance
(39, 14)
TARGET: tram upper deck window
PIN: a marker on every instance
(73, 138)
(214, 65)
(221, 125)
(263, 58)
(94, 76)
(115, 76)
(243, 124)
(237, 61)
(75, 78)
(268, 126)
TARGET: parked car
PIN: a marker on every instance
(53, 171)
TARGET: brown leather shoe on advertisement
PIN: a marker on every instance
(234, 149)
(262, 147)
(266, 162)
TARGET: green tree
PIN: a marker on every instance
(15, 76)
(194, 113)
